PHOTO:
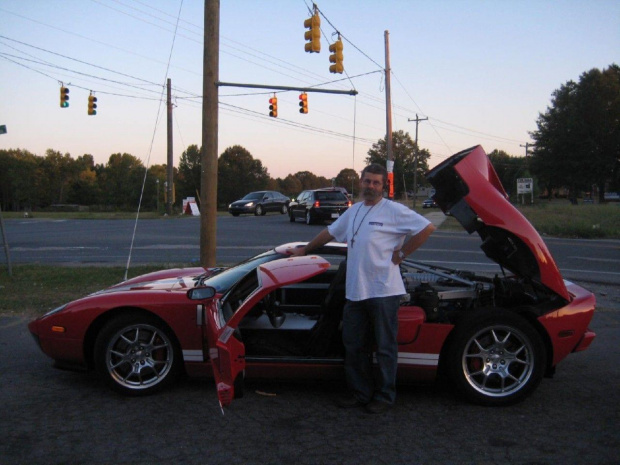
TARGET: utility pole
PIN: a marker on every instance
(6, 242)
(208, 155)
(527, 147)
(6, 245)
(388, 117)
(170, 163)
(417, 153)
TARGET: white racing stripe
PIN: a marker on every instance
(408, 358)
(193, 356)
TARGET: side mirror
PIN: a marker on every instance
(201, 293)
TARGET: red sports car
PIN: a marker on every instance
(494, 337)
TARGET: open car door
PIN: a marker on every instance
(226, 352)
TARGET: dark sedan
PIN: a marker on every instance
(260, 203)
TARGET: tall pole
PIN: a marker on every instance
(388, 117)
(6, 245)
(417, 153)
(208, 155)
(170, 163)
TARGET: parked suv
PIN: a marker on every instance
(260, 203)
(319, 205)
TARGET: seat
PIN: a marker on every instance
(324, 335)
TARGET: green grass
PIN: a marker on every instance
(561, 219)
(36, 289)
(584, 221)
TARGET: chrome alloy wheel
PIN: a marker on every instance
(139, 356)
(498, 361)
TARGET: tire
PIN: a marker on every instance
(284, 210)
(259, 211)
(291, 216)
(235, 214)
(495, 358)
(309, 219)
(136, 355)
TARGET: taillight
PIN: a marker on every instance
(317, 204)
(349, 203)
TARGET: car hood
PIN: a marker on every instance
(164, 280)
(468, 188)
(237, 203)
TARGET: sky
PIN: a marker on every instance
(481, 71)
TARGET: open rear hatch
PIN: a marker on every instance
(468, 188)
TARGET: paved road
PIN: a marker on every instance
(57, 417)
(97, 242)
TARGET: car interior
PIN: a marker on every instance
(297, 320)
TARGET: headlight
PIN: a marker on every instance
(249, 204)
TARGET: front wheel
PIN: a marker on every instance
(291, 217)
(495, 358)
(136, 355)
(259, 210)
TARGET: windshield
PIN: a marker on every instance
(223, 281)
(253, 196)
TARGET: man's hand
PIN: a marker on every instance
(298, 251)
(396, 257)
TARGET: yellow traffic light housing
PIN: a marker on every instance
(64, 97)
(303, 103)
(273, 107)
(336, 57)
(313, 34)
(92, 105)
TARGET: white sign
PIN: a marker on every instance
(525, 185)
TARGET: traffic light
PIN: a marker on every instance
(336, 57)
(273, 107)
(313, 34)
(303, 103)
(64, 97)
(92, 105)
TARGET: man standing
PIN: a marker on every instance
(375, 231)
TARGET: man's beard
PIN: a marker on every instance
(371, 194)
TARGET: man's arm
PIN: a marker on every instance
(413, 244)
(319, 240)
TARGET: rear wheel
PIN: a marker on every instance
(136, 355)
(495, 358)
(309, 219)
(284, 209)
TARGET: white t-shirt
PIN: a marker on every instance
(372, 234)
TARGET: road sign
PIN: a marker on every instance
(525, 185)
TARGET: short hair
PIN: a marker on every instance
(376, 168)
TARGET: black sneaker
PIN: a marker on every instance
(377, 407)
(350, 402)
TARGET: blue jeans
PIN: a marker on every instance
(362, 319)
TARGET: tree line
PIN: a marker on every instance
(33, 182)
